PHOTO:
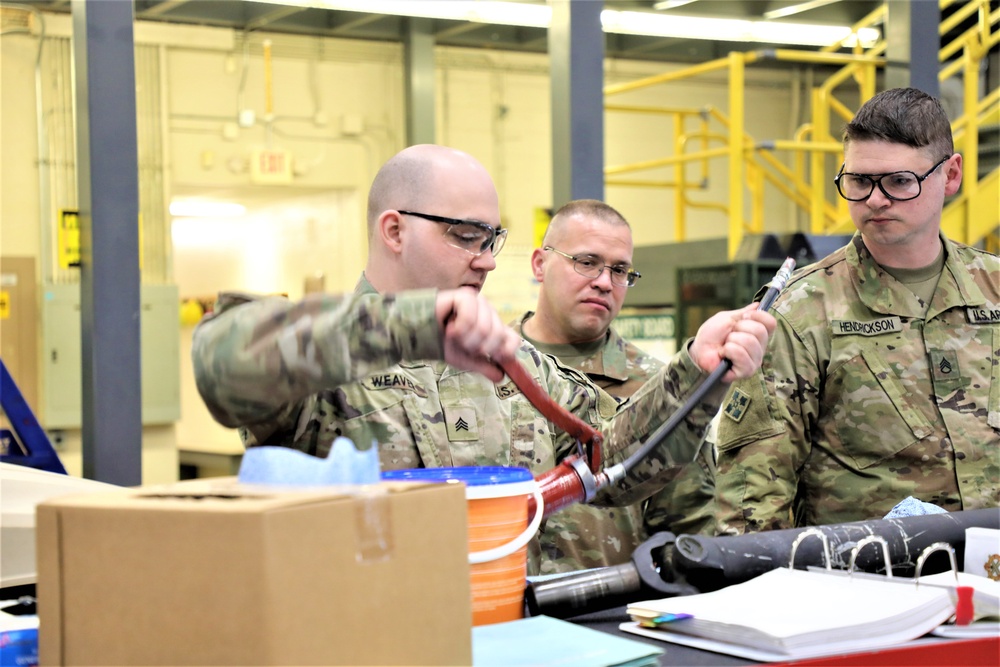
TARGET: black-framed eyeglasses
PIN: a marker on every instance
(472, 236)
(898, 185)
(592, 266)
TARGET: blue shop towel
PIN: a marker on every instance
(283, 466)
(910, 506)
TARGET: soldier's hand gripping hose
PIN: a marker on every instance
(579, 477)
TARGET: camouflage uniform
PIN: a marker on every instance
(588, 536)
(864, 399)
(301, 374)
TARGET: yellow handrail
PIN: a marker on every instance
(875, 17)
(808, 186)
(959, 15)
(695, 70)
(665, 161)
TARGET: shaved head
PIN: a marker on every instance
(412, 177)
(587, 208)
(398, 182)
(407, 250)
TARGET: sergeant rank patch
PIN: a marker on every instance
(463, 426)
(737, 406)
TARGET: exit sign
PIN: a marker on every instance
(268, 166)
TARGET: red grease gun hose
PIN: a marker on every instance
(557, 414)
(561, 486)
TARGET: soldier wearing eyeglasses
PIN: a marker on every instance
(584, 268)
(882, 380)
(408, 361)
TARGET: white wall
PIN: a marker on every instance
(274, 247)
(18, 176)
(337, 106)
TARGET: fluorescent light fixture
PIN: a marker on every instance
(476, 11)
(203, 208)
(621, 22)
(796, 9)
(731, 30)
(672, 4)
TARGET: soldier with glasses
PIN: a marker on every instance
(409, 360)
(882, 380)
(584, 269)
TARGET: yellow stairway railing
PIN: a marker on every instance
(707, 133)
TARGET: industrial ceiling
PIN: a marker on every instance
(298, 18)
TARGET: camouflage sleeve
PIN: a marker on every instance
(763, 437)
(627, 425)
(686, 505)
(254, 361)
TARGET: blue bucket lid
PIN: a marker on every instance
(470, 475)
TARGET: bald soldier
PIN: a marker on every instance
(584, 269)
(408, 360)
(882, 380)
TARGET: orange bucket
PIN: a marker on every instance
(499, 531)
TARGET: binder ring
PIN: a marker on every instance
(810, 532)
(861, 544)
(937, 546)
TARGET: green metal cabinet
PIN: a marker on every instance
(703, 291)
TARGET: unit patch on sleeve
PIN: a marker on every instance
(737, 405)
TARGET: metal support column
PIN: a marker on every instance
(576, 55)
(418, 48)
(108, 185)
(913, 44)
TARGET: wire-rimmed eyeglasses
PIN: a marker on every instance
(592, 266)
(897, 185)
(472, 236)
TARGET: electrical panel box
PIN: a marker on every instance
(706, 290)
(62, 374)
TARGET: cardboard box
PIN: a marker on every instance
(209, 572)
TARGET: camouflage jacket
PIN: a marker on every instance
(588, 536)
(864, 399)
(363, 366)
(618, 367)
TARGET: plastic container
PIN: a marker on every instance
(499, 530)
